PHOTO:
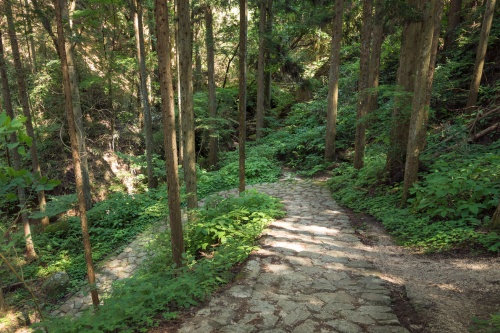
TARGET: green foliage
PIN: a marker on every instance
(450, 207)
(235, 218)
(491, 325)
(135, 303)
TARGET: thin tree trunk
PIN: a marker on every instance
(212, 98)
(376, 51)
(423, 84)
(197, 59)
(333, 83)
(75, 152)
(242, 91)
(16, 159)
(364, 61)
(23, 96)
(400, 124)
(141, 58)
(186, 84)
(3, 305)
(77, 104)
(260, 108)
(168, 114)
(268, 73)
(481, 53)
(31, 41)
(179, 102)
(454, 17)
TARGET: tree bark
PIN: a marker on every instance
(454, 18)
(23, 96)
(378, 37)
(333, 83)
(242, 92)
(197, 59)
(31, 41)
(141, 58)
(481, 53)
(168, 114)
(212, 101)
(186, 85)
(268, 72)
(260, 107)
(421, 99)
(400, 124)
(179, 102)
(16, 158)
(75, 152)
(77, 104)
(364, 61)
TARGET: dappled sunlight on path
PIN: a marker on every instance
(310, 275)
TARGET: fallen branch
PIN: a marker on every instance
(484, 132)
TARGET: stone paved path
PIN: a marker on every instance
(311, 275)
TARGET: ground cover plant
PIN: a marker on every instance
(225, 228)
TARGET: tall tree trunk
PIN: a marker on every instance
(141, 57)
(16, 159)
(400, 123)
(75, 152)
(179, 102)
(242, 91)
(168, 114)
(31, 41)
(481, 53)
(375, 53)
(268, 72)
(77, 104)
(421, 99)
(212, 101)
(364, 61)
(23, 96)
(197, 59)
(333, 83)
(454, 17)
(186, 84)
(260, 108)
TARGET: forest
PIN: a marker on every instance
(122, 118)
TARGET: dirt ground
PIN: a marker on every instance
(433, 293)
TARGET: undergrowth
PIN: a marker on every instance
(226, 228)
(450, 206)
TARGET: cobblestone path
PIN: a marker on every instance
(310, 275)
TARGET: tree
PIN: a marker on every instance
(377, 40)
(141, 58)
(242, 106)
(16, 158)
(405, 81)
(77, 104)
(212, 102)
(168, 114)
(454, 17)
(75, 151)
(421, 95)
(481, 53)
(23, 96)
(333, 83)
(268, 43)
(186, 86)
(260, 107)
(364, 61)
